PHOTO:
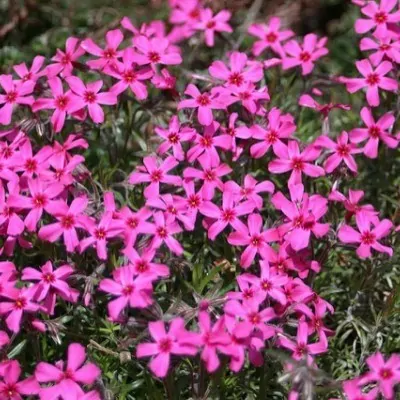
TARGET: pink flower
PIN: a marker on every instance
(131, 290)
(69, 218)
(174, 136)
(254, 238)
(354, 392)
(164, 81)
(238, 74)
(107, 56)
(129, 75)
(64, 60)
(387, 46)
(16, 92)
(366, 236)
(249, 96)
(240, 132)
(204, 102)
(155, 174)
(31, 74)
(165, 344)
(62, 103)
(41, 195)
(187, 12)
(342, 151)
(379, 17)
(11, 388)
(374, 132)
(193, 201)
(90, 97)
(290, 159)
(68, 379)
(51, 282)
(373, 79)
(306, 54)
(307, 101)
(279, 127)
(228, 214)
(270, 36)
(385, 373)
(210, 24)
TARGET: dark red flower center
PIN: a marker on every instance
(228, 215)
(128, 290)
(129, 76)
(162, 232)
(374, 131)
(156, 175)
(154, 57)
(31, 165)
(142, 266)
(194, 13)
(132, 222)
(211, 24)
(67, 221)
(68, 374)
(49, 277)
(367, 238)
(372, 79)
(206, 141)
(209, 175)
(236, 79)
(39, 200)
(61, 102)
(109, 54)
(266, 285)
(203, 100)
(10, 391)
(244, 95)
(386, 373)
(385, 47)
(90, 97)
(194, 201)
(381, 17)
(20, 303)
(297, 164)
(173, 138)
(11, 97)
(100, 234)
(65, 59)
(254, 318)
(343, 150)
(271, 37)
(172, 210)
(272, 136)
(305, 56)
(256, 240)
(248, 294)
(165, 345)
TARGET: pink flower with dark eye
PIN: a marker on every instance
(164, 81)
(249, 96)
(155, 173)
(15, 92)
(270, 36)
(341, 151)
(68, 378)
(68, 219)
(62, 103)
(210, 24)
(367, 236)
(166, 344)
(291, 159)
(107, 56)
(307, 101)
(173, 138)
(193, 202)
(130, 289)
(240, 70)
(387, 47)
(204, 102)
(378, 17)
(236, 132)
(306, 54)
(32, 73)
(280, 126)
(372, 80)
(64, 60)
(89, 96)
(374, 132)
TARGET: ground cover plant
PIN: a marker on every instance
(203, 206)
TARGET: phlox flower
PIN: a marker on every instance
(62, 169)
(30, 74)
(187, 12)
(374, 132)
(165, 80)
(210, 24)
(341, 150)
(72, 142)
(373, 79)
(239, 132)
(193, 201)
(165, 344)
(291, 159)
(270, 36)
(15, 92)
(307, 101)
(173, 138)
(68, 219)
(67, 378)
(249, 96)
(10, 219)
(306, 54)
(353, 391)
(130, 289)
(366, 236)
(386, 47)
(155, 173)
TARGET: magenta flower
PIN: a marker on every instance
(307, 101)
(64, 60)
(16, 92)
(32, 73)
(174, 136)
(204, 102)
(378, 17)
(366, 236)
(164, 81)
(210, 175)
(165, 344)
(254, 238)
(269, 36)
(240, 132)
(11, 388)
(62, 103)
(306, 54)
(68, 219)
(130, 290)
(129, 75)
(210, 24)
(279, 127)
(107, 56)
(185, 13)
(51, 283)
(384, 47)
(238, 74)
(342, 152)
(41, 194)
(67, 378)
(90, 97)
(193, 201)
(249, 96)
(374, 132)
(228, 214)
(353, 391)
(290, 159)
(19, 301)
(155, 174)
(373, 79)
